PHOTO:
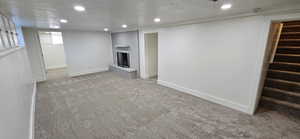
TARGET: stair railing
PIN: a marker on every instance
(275, 37)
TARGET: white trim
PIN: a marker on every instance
(122, 51)
(142, 50)
(6, 52)
(56, 67)
(274, 11)
(122, 46)
(206, 96)
(32, 112)
(74, 74)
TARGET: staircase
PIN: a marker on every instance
(282, 86)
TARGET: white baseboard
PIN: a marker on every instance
(74, 74)
(206, 96)
(56, 67)
(32, 112)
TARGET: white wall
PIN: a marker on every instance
(34, 50)
(87, 52)
(151, 54)
(16, 94)
(219, 61)
(54, 54)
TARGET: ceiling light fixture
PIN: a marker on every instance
(63, 21)
(226, 6)
(79, 8)
(106, 29)
(156, 20)
(124, 26)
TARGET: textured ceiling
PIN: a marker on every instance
(113, 13)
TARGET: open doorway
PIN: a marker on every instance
(281, 81)
(53, 54)
(151, 55)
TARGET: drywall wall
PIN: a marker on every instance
(127, 38)
(34, 51)
(87, 51)
(16, 94)
(151, 51)
(54, 54)
(219, 61)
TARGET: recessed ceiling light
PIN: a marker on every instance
(79, 8)
(106, 29)
(226, 6)
(55, 27)
(124, 26)
(63, 20)
(156, 20)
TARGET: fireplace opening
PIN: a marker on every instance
(123, 59)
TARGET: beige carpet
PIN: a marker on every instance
(57, 73)
(106, 106)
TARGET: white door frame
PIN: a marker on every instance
(142, 33)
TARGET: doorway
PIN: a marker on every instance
(151, 55)
(53, 54)
(281, 79)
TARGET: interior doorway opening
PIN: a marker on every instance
(281, 78)
(53, 54)
(151, 55)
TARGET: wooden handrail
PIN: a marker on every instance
(275, 41)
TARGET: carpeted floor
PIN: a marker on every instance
(106, 106)
(57, 73)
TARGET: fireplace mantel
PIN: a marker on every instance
(122, 46)
(122, 51)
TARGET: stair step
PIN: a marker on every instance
(289, 43)
(292, 23)
(295, 94)
(291, 58)
(290, 40)
(285, 66)
(291, 26)
(292, 55)
(288, 50)
(290, 33)
(283, 84)
(281, 106)
(285, 75)
(284, 46)
(293, 97)
(288, 47)
(280, 102)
